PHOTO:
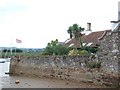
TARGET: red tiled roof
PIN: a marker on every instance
(90, 38)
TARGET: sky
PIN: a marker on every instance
(37, 22)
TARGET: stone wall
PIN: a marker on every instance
(109, 53)
(49, 66)
(61, 67)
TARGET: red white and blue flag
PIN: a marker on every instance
(18, 41)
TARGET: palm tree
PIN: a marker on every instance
(70, 31)
(81, 30)
(77, 32)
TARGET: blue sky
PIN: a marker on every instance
(36, 22)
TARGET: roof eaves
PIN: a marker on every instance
(102, 35)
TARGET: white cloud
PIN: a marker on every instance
(37, 22)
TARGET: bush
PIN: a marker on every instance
(61, 50)
(93, 64)
(73, 52)
(54, 48)
(83, 52)
(91, 49)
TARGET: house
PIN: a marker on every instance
(91, 39)
(88, 39)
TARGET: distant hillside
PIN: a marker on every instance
(24, 49)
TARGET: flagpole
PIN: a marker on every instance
(15, 51)
(6, 53)
(17, 41)
(11, 47)
(15, 48)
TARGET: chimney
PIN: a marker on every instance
(116, 24)
(118, 10)
(88, 27)
(88, 31)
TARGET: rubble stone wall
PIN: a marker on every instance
(62, 67)
(109, 51)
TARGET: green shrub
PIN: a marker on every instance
(83, 52)
(73, 52)
(54, 48)
(93, 64)
(91, 49)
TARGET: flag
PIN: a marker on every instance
(18, 41)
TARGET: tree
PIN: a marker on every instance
(70, 31)
(76, 31)
(54, 48)
(61, 50)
